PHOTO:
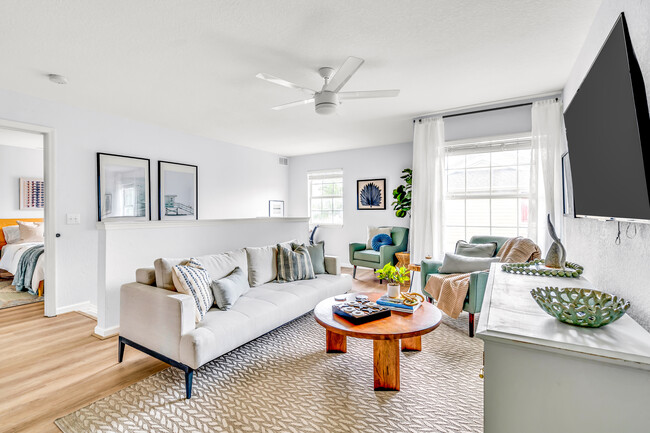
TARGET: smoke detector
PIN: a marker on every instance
(58, 79)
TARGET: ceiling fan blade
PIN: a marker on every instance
(343, 74)
(369, 94)
(293, 104)
(284, 83)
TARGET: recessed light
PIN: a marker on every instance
(58, 79)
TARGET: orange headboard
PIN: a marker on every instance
(12, 222)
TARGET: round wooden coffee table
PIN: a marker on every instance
(385, 333)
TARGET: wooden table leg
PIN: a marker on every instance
(336, 343)
(386, 364)
(413, 343)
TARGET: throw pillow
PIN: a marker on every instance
(455, 264)
(381, 239)
(294, 264)
(228, 289)
(262, 265)
(374, 231)
(193, 280)
(12, 234)
(317, 256)
(466, 249)
(31, 232)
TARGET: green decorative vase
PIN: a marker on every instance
(580, 307)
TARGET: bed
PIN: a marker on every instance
(10, 255)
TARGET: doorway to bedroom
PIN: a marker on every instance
(22, 218)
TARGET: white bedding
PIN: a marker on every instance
(11, 254)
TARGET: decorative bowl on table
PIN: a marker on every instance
(580, 307)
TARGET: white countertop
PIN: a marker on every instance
(510, 314)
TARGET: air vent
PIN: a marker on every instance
(284, 160)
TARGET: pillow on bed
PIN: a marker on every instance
(12, 234)
(31, 232)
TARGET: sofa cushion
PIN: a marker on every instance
(488, 249)
(193, 280)
(317, 255)
(228, 289)
(455, 264)
(380, 240)
(163, 270)
(262, 265)
(221, 265)
(374, 231)
(294, 263)
(367, 255)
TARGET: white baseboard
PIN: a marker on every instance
(107, 332)
(86, 307)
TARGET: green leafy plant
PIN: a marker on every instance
(402, 195)
(393, 274)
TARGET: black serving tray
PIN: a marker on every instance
(370, 310)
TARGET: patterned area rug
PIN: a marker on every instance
(285, 382)
(10, 298)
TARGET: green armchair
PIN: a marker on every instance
(477, 280)
(360, 256)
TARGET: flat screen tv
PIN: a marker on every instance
(608, 126)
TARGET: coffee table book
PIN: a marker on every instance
(397, 304)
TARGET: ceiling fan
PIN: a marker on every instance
(327, 100)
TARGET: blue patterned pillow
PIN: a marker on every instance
(381, 239)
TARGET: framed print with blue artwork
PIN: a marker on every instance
(371, 194)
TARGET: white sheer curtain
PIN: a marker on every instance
(548, 146)
(428, 189)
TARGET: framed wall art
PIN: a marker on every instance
(123, 187)
(371, 194)
(32, 193)
(178, 191)
(276, 208)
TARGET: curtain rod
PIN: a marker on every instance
(490, 107)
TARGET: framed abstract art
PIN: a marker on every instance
(371, 194)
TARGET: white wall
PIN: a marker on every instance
(234, 181)
(17, 162)
(621, 269)
(368, 163)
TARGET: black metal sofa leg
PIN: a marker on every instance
(471, 325)
(120, 350)
(189, 374)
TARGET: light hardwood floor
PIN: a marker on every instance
(52, 366)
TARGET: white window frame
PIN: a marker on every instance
(325, 174)
(480, 145)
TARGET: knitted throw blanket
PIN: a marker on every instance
(450, 290)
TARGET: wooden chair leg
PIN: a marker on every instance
(354, 272)
(471, 325)
(120, 350)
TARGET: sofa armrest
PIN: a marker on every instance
(356, 246)
(428, 267)
(155, 318)
(332, 265)
(477, 284)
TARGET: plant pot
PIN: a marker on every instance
(392, 290)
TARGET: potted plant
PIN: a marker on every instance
(395, 277)
(402, 195)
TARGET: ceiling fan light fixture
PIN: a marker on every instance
(326, 102)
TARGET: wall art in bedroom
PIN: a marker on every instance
(123, 187)
(178, 191)
(32, 193)
(371, 194)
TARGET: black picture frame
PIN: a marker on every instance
(161, 200)
(271, 203)
(369, 193)
(147, 189)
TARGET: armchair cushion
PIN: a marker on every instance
(487, 249)
(374, 231)
(367, 255)
(455, 264)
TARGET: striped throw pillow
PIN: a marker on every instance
(294, 263)
(191, 279)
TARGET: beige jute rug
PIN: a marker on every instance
(285, 382)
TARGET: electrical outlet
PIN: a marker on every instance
(73, 218)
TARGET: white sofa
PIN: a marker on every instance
(161, 322)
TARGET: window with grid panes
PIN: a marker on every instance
(325, 197)
(487, 189)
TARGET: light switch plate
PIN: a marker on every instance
(73, 218)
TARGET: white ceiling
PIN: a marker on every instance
(192, 65)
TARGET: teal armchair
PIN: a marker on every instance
(360, 256)
(477, 280)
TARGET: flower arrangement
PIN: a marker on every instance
(395, 275)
